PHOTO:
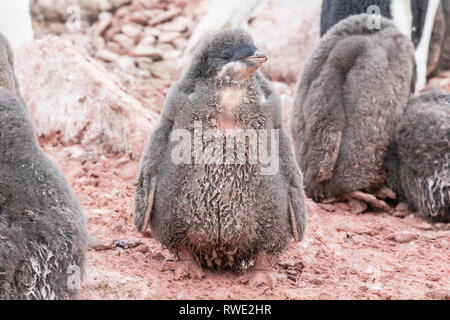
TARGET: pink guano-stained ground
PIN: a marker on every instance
(343, 255)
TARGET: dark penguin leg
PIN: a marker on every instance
(261, 274)
(186, 266)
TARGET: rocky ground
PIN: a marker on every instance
(344, 255)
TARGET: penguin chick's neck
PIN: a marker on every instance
(231, 99)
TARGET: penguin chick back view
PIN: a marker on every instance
(222, 214)
(419, 164)
(42, 228)
(346, 104)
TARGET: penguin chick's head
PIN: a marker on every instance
(229, 56)
(7, 78)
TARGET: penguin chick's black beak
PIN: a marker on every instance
(258, 58)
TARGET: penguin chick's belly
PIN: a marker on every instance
(222, 218)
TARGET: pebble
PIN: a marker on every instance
(147, 51)
(124, 40)
(147, 40)
(131, 30)
(104, 22)
(139, 17)
(165, 16)
(107, 55)
(168, 37)
(403, 237)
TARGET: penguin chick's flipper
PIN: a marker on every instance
(297, 205)
(146, 196)
(331, 138)
(147, 176)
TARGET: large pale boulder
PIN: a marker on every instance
(15, 21)
(288, 31)
(73, 97)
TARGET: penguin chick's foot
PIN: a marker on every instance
(186, 267)
(261, 274)
(369, 199)
(386, 193)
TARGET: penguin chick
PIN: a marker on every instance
(414, 19)
(418, 164)
(42, 229)
(346, 104)
(221, 214)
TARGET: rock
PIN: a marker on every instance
(438, 295)
(179, 24)
(172, 54)
(403, 237)
(401, 210)
(147, 51)
(126, 63)
(292, 264)
(122, 12)
(152, 32)
(164, 47)
(357, 206)
(101, 247)
(104, 22)
(123, 40)
(148, 40)
(73, 97)
(139, 17)
(131, 30)
(164, 16)
(126, 244)
(180, 43)
(143, 248)
(327, 207)
(98, 43)
(107, 55)
(425, 226)
(168, 37)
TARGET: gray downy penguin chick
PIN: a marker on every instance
(352, 90)
(221, 214)
(414, 18)
(418, 163)
(42, 228)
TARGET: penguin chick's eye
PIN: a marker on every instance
(226, 56)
